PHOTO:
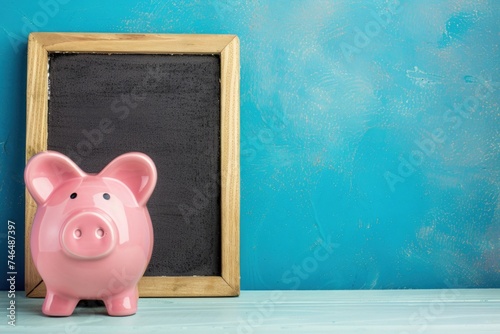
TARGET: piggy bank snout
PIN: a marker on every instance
(88, 235)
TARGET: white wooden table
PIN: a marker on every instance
(389, 311)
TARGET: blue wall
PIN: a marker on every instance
(370, 133)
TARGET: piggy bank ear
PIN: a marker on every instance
(46, 171)
(137, 171)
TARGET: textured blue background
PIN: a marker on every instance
(370, 133)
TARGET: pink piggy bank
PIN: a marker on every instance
(92, 235)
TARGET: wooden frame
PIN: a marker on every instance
(227, 47)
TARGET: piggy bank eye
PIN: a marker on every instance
(72, 196)
(106, 196)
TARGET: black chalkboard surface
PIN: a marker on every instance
(174, 97)
(166, 106)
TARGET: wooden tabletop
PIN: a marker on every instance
(386, 311)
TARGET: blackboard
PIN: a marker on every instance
(166, 106)
(171, 106)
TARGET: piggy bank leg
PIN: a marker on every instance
(123, 304)
(57, 305)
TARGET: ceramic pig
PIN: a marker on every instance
(92, 236)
